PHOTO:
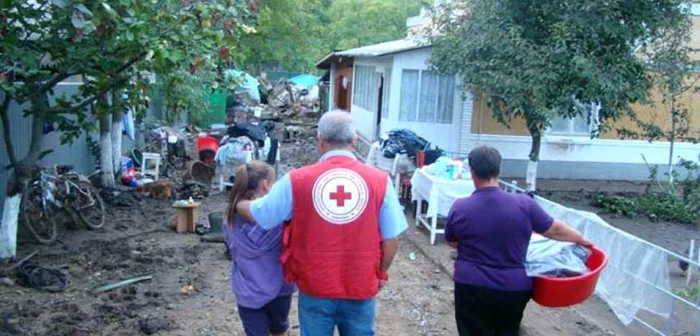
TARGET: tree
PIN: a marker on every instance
(296, 33)
(356, 23)
(539, 59)
(107, 45)
(669, 57)
(289, 33)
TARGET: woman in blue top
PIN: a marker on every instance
(264, 300)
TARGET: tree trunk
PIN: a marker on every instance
(106, 161)
(117, 130)
(21, 173)
(8, 227)
(534, 158)
(672, 138)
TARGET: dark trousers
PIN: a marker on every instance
(272, 318)
(486, 312)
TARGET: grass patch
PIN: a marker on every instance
(671, 202)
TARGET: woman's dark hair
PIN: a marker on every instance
(248, 176)
(485, 161)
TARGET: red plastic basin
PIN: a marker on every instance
(207, 147)
(565, 292)
(207, 143)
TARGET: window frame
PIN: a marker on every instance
(435, 117)
(365, 86)
(585, 116)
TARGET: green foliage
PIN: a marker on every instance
(665, 202)
(356, 23)
(621, 205)
(296, 33)
(687, 292)
(537, 59)
(185, 92)
(109, 45)
(289, 33)
(668, 55)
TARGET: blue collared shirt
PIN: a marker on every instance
(276, 207)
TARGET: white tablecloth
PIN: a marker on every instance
(439, 192)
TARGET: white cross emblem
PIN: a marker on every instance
(340, 196)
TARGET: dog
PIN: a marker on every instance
(160, 189)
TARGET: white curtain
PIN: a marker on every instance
(445, 103)
(428, 97)
(365, 87)
(409, 95)
(428, 100)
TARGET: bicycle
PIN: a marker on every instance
(65, 190)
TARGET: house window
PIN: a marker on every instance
(426, 97)
(570, 126)
(409, 95)
(365, 93)
(386, 93)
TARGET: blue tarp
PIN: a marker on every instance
(249, 84)
(305, 81)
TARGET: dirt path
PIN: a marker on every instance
(141, 240)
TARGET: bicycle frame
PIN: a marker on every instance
(48, 183)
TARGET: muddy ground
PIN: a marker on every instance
(140, 239)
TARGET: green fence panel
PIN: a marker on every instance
(217, 109)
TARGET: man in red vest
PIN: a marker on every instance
(343, 220)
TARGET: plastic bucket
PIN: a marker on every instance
(207, 147)
(216, 222)
(565, 292)
(207, 143)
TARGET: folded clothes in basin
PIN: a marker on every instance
(551, 258)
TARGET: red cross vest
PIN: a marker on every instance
(332, 244)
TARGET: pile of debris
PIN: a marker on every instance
(197, 181)
(282, 100)
(291, 100)
(194, 190)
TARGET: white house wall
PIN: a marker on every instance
(466, 124)
(366, 121)
(584, 158)
(446, 136)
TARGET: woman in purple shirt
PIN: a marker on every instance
(264, 300)
(491, 230)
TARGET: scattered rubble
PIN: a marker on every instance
(116, 285)
(119, 198)
(152, 325)
(284, 100)
(193, 189)
(187, 290)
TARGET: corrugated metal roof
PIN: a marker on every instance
(385, 48)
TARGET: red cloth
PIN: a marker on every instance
(332, 245)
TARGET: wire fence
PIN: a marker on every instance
(684, 291)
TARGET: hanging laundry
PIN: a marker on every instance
(49, 127)
(128, 122)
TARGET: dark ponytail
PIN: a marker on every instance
(248, 177)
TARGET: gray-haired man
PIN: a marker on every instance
(343, 222)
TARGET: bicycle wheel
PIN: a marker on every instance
(40, 222)
(89, 206)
